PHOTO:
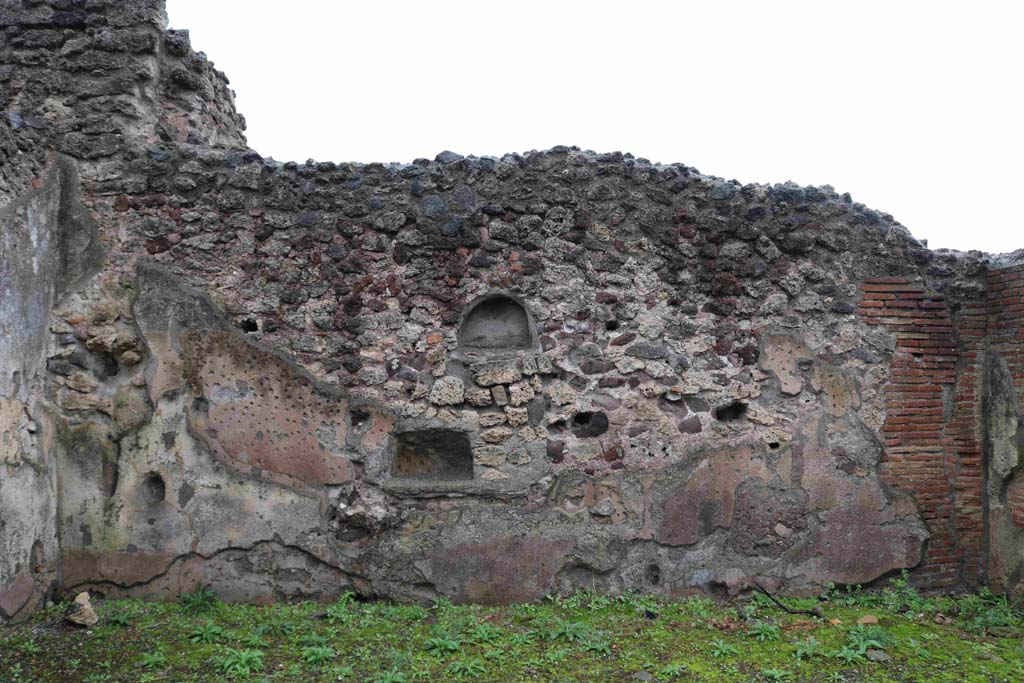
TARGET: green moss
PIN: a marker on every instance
(86, 443)
(583, 638)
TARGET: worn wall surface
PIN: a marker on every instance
(488, 379)
(48, 245)
(28, 526)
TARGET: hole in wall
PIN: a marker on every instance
(653, 574)
(718, 590)
(731, 412)
(37, 558)
(347, 533)
(496, 322)
(248, 325)
(589, 423)
(104, 365)
(611, 325)
(109, 473)
(433, 454)
(774, 445)
(154, 490)
(358, 418)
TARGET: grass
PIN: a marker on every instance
(583, 638)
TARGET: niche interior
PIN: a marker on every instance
(496, 322)
(433, 454)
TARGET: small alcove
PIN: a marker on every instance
(589, 423)
(496, 323)
(731, 412)
(154, 490)
(433, 455)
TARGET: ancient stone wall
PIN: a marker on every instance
(488, 379)
(28, 270)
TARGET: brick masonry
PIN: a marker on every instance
(934, 410)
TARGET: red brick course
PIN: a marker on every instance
(932, 452)
(932, 431)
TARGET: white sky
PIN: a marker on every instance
(915, 108)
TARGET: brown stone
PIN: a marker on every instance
(490, 456)
(517, 417)
(520, 393)
(16, 595)
(690, 425)
(130, 409)
(491, 373)
(82, 382)
(556, 451)
(623, 339)
(496, 435)
(80, 611)
(492, 419)
(479, 397)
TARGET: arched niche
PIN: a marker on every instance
(495, 323)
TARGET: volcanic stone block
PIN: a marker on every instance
(447, 391)
(491, 373)
(520, 393)
(496, 435)
(490, 456)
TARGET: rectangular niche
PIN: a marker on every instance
(433, 455)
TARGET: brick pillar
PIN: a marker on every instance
(931, 452)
